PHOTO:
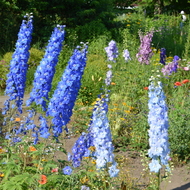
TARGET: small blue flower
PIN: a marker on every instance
(126, 55)
(155, 166)
(67, 170)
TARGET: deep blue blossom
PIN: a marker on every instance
(163, 56)
(112, 51)
(16, 78)
(67, 170)
(81, 149)
(158, 132)
(45, 71)
(64, 97)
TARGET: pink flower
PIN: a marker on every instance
(186, 68)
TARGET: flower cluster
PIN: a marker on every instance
(81, 149)
(62, 102)
(171, 67)
(45, 71)
(102, 139)
(112, 51)
(145, 51)
(16, 78)
(163, 56)
(158, 132)
(126, 55)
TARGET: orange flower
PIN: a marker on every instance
(113, 83)
(177, 83)
(185, 81)
(43, 180)
(17, 119)
(31, 148)
(146, 88)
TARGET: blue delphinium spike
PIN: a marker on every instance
(64, 97)
(158, 132)
(45, 71)
(16, 78)
(163, 56)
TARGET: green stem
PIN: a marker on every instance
(159, 180)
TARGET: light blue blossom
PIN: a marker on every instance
(45, 71)
(155, 166)
(126, 55)
(158, 121)
(112, 51)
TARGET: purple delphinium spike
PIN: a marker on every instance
(171, 67)
(145, 51)
(163, 56)
(158, 132)
(16, 78)
(45, 71)
(63, 100)
(112, 51)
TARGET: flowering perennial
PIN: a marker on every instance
(112, 51)
(171, 67)
(45, 71)
(158, 132)
(145, 51)
(102, 139)
(126, 55)
(16, 78)
(163, 56)
(62, 102)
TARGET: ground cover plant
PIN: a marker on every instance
(125, 95)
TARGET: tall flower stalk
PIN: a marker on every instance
(158, 132)
(145, 51)
(64, 97)
(99, 138)
(45, 71)
(16, 78)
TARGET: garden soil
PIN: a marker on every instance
(179, 180)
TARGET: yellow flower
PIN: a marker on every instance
(84, 179)
(93, 161)
(128, 25)
(2, 175)
(127, 111)
(1, 150)
(122, 118)
(92, 148)
(124, 104)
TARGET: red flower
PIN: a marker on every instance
(146, 88)
(185, 81)
(43, 179)
(177, 83)
(54, 170)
